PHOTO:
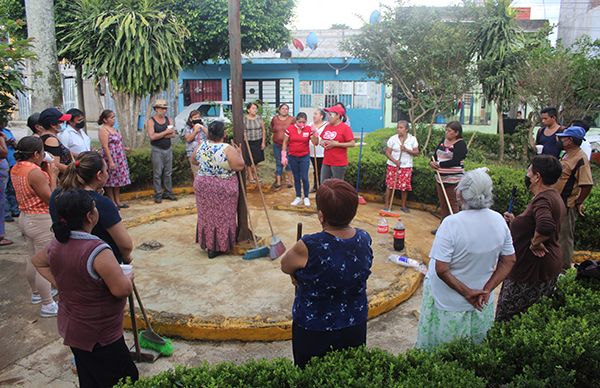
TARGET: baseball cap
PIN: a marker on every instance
(336, 109)
(576, 132)
(52, 116)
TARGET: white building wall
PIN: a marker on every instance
(577, 18)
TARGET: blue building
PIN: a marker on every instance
(303, 78)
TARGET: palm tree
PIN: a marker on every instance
(497, 49)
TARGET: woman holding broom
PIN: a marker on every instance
(400, 150)
(216, 188)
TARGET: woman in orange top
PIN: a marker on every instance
(33, 186)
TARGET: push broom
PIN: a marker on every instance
(388, 212)
(257, 252)
(276, 247)
(361, 200)
(148, 338)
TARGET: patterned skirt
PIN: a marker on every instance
(516, 297)
(439, 326)
(402, 178)
(216, 203)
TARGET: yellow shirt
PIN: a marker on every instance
(583, 176)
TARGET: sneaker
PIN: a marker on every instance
(157, 199)
(306, 201)
(9, 218)
(49, 310)
(37, 298)
(406, 210)
(170, 197)
(296, 201)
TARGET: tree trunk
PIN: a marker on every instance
(429, 132)
(128, 112)
(235, 60)
(46, 80)
(97, 85)
(500, 131)
(79, 84)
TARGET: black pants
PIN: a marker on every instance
(310, 343)
(105, 365)
(316, 168)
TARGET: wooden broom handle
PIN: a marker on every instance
(443, 189)
(262, 196)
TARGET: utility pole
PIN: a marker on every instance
(46, 80)
(235, 62)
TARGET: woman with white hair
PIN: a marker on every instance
(472, 253)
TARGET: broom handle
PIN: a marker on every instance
(246, 203)
(395, 181)
(299, 231)
(359, 159)
(262, 196)
(138, 350)
(316, 166)
(443, 189)
(139, 300)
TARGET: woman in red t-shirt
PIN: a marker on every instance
(297, 137)
(336, 138)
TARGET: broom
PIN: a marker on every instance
(257, 251)
(276, 248)
(443, 189)
(149, 339)
(361, 200)
(389, 213)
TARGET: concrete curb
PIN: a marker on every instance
(258, 328)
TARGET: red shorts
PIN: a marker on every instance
(402, 179)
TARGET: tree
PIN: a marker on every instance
(137, 46)
(498, 48)
(47, 82)
(14, 52)
(263, 26)
(424, 52)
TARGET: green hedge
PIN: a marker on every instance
(505, 177)
(556, 344)
(140, 168)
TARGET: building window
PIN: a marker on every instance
(353, 94)
(271, 92)
(199, 90)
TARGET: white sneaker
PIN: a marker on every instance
(306, 201)
(49, 310)
(37, 298)
(296, 201)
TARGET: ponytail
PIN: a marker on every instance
(82, 171)
(72, 207)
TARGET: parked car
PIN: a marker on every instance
(210, 111)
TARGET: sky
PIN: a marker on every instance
(321, 14)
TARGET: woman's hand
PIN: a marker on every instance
(509, 217)
(434, 165)
(397, 163)
(197, 128)
(331, 144)
(475, 298)
(284, 159)
(111, 165)
(538, 250)
(294, 280)
(263, 145)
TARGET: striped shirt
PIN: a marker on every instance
(29, 201)
(253, 128)
(451, 160)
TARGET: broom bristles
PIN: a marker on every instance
(255, 253)
(277, 248)
(165, 350)
(384, 213)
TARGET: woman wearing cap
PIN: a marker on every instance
(535, 236)
(33, 187)
(471, 255)
(256, 135)
(317, 152)
(113, 151)
(336, 138)
(50, 119)
(330, 271)
(279, 124)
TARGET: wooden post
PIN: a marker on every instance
(235, 61)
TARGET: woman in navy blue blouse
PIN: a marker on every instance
(330, 271)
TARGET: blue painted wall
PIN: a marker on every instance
(306, 69)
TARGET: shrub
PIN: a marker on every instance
(140, 167)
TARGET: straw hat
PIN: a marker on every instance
(160, 104)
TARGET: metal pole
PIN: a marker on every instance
(235, 61)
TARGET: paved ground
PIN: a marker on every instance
(33, 355)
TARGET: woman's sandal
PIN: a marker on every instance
(4, 242)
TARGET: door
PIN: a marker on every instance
(198, 90)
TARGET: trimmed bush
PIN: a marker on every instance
(556, 343)
(140, 168)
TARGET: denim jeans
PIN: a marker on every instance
(278, 165)
(11, 199)
(299, 166)
(3, 203)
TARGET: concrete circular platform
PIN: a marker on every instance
(190, 296)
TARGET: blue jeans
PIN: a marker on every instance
(299, 166)
(3, 203)
(278, 165)
(11, 199)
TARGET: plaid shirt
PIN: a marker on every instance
(253, 128)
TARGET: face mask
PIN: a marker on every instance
(62, 127)
(527, 182)
(80, 125)
(198, 121)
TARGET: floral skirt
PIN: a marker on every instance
(439, 326)
(516, 297)
(402, 178)
(216, 202)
